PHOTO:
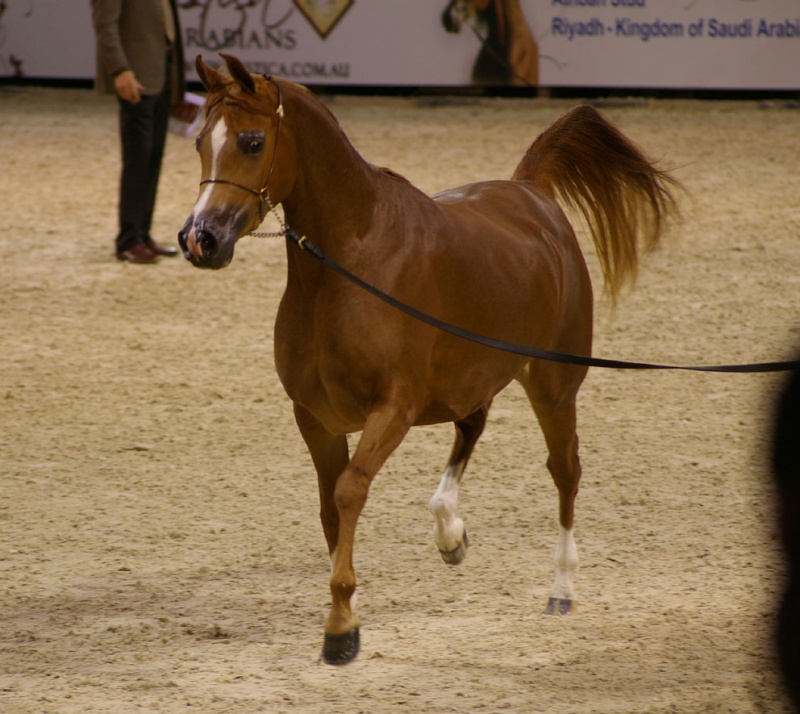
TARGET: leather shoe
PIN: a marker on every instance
(139, 253)
(160, 249)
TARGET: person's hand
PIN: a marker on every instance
(127, 87)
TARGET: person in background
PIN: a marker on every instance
(140, 59)
(786, 470)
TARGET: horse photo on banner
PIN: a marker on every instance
(703, 44)
(509, 53)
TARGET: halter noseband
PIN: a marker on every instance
(263, 194)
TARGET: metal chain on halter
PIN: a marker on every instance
(271, 234)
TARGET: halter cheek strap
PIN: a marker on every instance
(263, 194)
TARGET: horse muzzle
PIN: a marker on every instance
(203, 244)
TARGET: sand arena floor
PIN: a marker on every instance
(159, 542)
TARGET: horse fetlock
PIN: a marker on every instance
(564, 586)
(566, 555)
(566, 565)
(341, 619)
(456, 555)
(450, 536)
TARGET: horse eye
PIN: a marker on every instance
(197, 143)
(251, 142)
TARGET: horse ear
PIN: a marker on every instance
(240, 73)
(210, 78)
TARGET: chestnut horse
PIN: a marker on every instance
(497, 258)
(510, 53)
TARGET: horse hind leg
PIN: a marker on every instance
(449, 532)
(552, 390)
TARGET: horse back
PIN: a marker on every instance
(517, 206)
(518, 234)
(513, 250)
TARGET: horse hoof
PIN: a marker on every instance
(341, 649)
(559, 606)
(455, 556)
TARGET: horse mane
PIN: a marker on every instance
(232, 94)
(314, 102)
(393, 174)
(297, 100)
(500, 17)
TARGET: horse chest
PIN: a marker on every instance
(325, 364)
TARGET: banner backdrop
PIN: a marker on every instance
(682, 44)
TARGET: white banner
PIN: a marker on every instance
(681, 44)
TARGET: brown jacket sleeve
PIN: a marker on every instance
(130, 35)
(111, 59)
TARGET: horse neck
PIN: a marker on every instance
(519, 45)
(496, 18)
(334, 189)
(516, 26)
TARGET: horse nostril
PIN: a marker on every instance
(208, 243)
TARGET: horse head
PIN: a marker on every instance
(246, 162)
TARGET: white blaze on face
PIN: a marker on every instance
(219, 135)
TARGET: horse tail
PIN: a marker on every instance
(591, 166)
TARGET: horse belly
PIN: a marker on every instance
(459, 388)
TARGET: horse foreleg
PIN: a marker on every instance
(449, 532)
(329, 453)
(383, 432)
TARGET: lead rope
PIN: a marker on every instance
(306, 245)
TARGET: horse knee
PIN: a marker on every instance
(566, 471)
(351, 490)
